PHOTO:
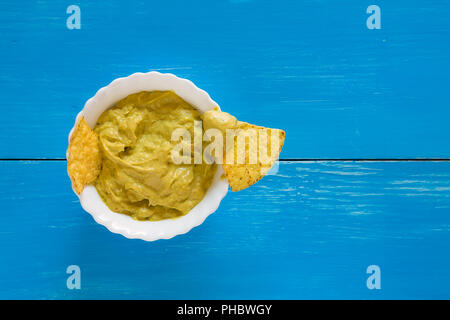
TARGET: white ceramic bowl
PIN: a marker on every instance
(119, 223)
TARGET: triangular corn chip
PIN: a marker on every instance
(84, 158)
(245, 164)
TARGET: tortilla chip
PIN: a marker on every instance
(243, 175)
(84, 159)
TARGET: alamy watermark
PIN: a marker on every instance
(236, 146)
(374, 20)
(374, 280)
(74, 20)
(74, 280)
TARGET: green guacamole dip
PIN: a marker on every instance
(138, 177)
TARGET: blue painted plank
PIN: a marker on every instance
(308, 232)
(309, 67)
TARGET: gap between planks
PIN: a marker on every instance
(286, 160)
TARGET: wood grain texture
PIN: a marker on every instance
(308, 232)
(309, 67)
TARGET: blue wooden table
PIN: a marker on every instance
(349, 98)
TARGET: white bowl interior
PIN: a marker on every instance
(123, 224)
